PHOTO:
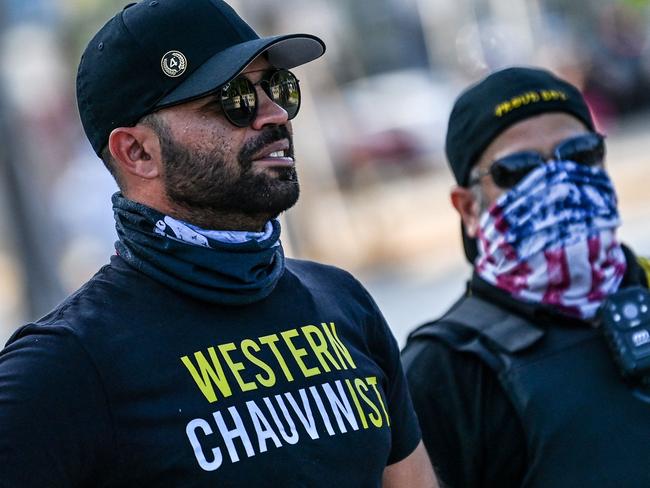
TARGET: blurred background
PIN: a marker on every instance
(369, 138)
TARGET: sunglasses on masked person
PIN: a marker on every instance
(240, 102)
(506, 172)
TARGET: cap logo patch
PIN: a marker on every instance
(174, 64)
(528, 98)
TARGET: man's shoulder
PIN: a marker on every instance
(330, 286)
(428, 346)
(95, 301)
(644, 264)
(308, 266)
(637, 271)
(51, 346)
(472, 328)
(105, 290)
(435, 329)
(322, 274)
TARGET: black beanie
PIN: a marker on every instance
(502, 99)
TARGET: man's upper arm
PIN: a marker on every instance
(414, 471)
(53, 414)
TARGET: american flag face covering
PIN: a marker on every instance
(551, 239)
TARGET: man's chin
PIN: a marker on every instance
(258, 195)
(281, 173)
(271, 200)
(282, 203)
(289, 175)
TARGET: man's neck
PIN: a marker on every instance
(210, 219)
(205, 218)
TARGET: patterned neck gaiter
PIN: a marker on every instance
(552, 239)
(228, 268)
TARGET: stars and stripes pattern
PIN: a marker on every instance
(552, 239)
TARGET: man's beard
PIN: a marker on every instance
(202, 179)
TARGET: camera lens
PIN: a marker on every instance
(630, 311)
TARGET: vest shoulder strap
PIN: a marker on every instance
(477, 326)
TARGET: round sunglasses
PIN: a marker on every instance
(506, 172)
(240, 102)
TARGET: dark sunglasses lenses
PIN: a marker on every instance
(507, 172)
(284, 90)
(239, 97)
(239, 101)
(587, 149)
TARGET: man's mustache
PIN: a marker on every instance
(268, 136)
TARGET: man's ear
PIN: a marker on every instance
(136, 150)
(465, 203)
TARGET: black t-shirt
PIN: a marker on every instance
(129, 384)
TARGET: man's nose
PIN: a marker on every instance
(268, 112)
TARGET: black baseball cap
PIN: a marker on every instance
(500, 100)
(158, 53)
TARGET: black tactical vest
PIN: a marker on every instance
(585, 427)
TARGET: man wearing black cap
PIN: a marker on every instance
(200, 356)
(516, 384)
